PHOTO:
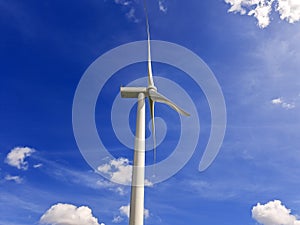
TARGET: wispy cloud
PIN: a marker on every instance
(16, 157)
(16, 201)
(275, 66)
(284, 104)
(289, 10)
(280, 56)
(61, 214)
(20, 17)
(38, 165)
(123, 2)
(16, 179)
(219, 186)
(273, 213)
(131, 7)
(131, 15)
(88, 179)
(117, 219)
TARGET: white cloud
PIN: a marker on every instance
(162, 6)
(67, 214)
(281, 102)
(124, 211)
(289, 10)
(16, 179)
(260, 9)
(16, 157)
(262, 12)
(38, 165)
(236, 6)
(273, 213)
(146, 213)
(119, 171)
(276, 101)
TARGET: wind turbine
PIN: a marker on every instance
(136, 216)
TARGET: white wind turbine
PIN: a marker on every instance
(136, 216)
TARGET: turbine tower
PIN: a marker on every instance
(136, 216)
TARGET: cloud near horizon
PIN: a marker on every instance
(67, 214)
(289, 10)
(273, 213)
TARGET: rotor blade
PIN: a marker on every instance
(150, 76)
(157, 97)
(153, 130)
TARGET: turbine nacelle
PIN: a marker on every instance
(153, 95)
(151, 87)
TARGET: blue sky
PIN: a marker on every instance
(252, 48)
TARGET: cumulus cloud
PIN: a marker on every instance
(16, 157)
(124, 211)
(260, 9)
(16, 179)
(281, 102)
(236, 6)
(262, 13)
(273, 213)
(289, 10)
(119, 171)
(67, 214)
